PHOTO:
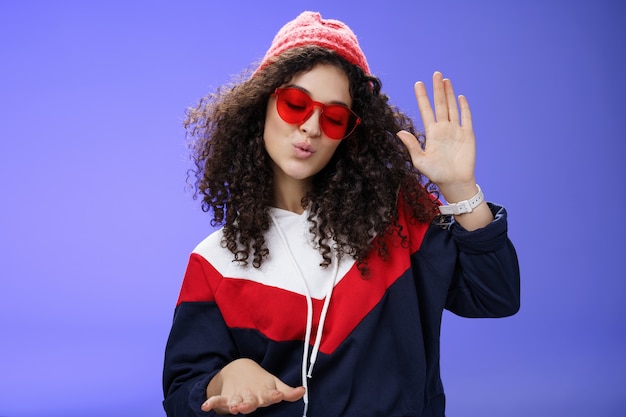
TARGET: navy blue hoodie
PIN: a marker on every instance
(379, 349)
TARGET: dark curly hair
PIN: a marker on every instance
(354, 197)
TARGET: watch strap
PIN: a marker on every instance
(465, 206)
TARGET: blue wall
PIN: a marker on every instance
(96, 224)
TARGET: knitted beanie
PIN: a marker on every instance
(310, 29)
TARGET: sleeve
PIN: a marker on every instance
(486, 281)
(199, 344)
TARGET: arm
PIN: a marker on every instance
(486, 277)
(486, 282)
(199, 345)
(203, 373)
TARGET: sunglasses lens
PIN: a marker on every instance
(295, 106)
(335, 121)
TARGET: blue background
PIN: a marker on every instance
(96, 224)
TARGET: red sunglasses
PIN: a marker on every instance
(295, 106)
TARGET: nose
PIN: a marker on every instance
(311, 126)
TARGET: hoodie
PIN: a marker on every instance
(361, 346)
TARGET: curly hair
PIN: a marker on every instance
(354, 197)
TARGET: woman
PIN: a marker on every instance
(323, 290)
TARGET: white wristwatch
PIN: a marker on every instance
(465, 206)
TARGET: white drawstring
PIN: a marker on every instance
(320, 327)
(309, 316)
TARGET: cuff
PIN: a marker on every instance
(487, 239)
(197, 396)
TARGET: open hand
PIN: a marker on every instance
(449, 155)
(242, 386)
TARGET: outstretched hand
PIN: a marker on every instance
(449, 155)
(448, 158)
(242, 386)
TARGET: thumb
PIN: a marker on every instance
(290, 394)
(413, 146)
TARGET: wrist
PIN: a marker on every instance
(458, 191)
(463, 206)
(214, 386)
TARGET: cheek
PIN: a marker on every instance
(274, 133)
(274, 125)
(330, 148)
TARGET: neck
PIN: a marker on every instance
(289, 192)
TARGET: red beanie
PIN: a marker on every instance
(310, 29)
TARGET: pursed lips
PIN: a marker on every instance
(303, 149)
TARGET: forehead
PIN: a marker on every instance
(325, 83)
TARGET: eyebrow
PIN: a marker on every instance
(297, 87)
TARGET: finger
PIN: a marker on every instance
(288, 392)
(293, 394)
(248, 404)
(453, 112)
(413, 146)
(424, 104)
(217, 403)
(234, 403)
(439, 98)
(466, 114)
(410, 142)
(271, 396)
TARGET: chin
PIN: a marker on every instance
(299, 176)
(298, 173)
